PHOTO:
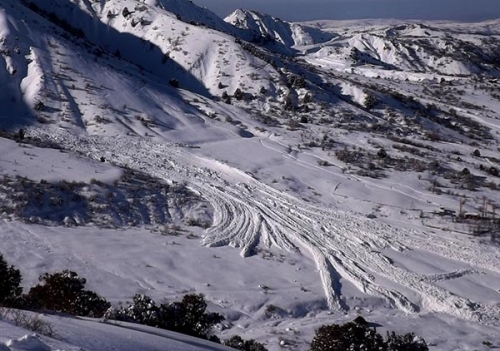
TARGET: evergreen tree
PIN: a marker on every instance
(10, 281)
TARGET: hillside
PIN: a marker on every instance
(87, 334)
(296, 174)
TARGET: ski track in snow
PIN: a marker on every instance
(349, 176)
(248, 213)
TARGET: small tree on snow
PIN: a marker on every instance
(236, 342)
(188, 316)
(382, 153)
(126, 12)
(238, 94)
(64, 292)
(350, 336)
(39, 106)
(357, 336)
(370, 101)
(10, 281)
(226, 98)
(142, 311)
(406, 342)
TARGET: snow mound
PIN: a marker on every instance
(27, 343)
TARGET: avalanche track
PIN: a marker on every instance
(249, 213)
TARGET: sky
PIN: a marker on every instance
(305, 10)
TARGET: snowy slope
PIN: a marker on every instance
(87, 334)
(170, 48)
(286, 166)
(200, 60)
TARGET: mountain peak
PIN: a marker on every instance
(267, 27)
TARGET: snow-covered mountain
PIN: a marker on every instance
(296, 174)
(266, 28)
(418, 47)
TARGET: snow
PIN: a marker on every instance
(28, 343)
(410, 48)
(268, 219)
(327, 243)
(52, 165)
(93, 335)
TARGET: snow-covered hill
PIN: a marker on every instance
(354, 166)
(417, 47)
(189, 12)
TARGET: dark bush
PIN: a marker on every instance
(357, 336)
(142, 311)
(236, 342)
(174, 82)
(126, 12)
(39, 106)
(64, 292)
(350, 336)
(296, 81)
(226, 98)
(187, 317)
(370, 101)
(288, 104)
(238, 94)
(360, 321)
(382, 153)
(89, 304)
(406, 342)
(10, 280)
(307, 98)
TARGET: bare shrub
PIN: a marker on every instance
(27, 320)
